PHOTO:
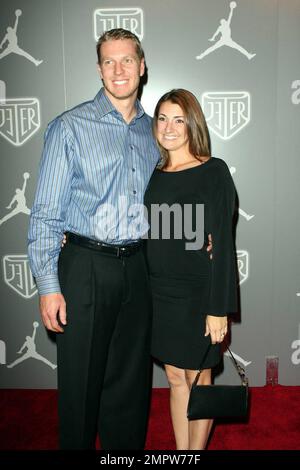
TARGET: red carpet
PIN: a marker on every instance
(29, 421)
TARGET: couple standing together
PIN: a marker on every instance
(100, 292)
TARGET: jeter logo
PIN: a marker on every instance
(2, 352)
(19, 117)
(243, 265)
(17, 275)
(126, 18)
(226, 112)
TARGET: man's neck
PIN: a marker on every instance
(126, 107)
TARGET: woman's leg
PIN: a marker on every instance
(199, 429)
(179, 395)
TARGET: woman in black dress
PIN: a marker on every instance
(193, 291)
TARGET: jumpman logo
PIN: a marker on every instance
(11, 41)
(31, 351)
(225, 40)
(241, 212)
(19, 199)
(238, 358)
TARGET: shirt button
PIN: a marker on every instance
(134, 191)
(132, 147)
(133, 169)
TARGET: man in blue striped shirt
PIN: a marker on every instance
(96, 164)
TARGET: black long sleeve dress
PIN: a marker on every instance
(186, 284)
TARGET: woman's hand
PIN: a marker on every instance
(216, 327)
(64, 241)
(209, 246)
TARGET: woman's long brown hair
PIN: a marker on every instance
(197, 131)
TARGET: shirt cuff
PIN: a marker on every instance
(48, 284)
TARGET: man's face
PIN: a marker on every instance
(120, 69)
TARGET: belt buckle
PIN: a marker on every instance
(125, 251)
(121, 250)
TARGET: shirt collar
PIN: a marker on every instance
(104, 106)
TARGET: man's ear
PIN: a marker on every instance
(142, 67)
(99, 71)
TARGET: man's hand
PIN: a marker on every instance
(216, 327)
(209, 246)
(52, 307)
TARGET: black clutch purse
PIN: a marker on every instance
(219, 401)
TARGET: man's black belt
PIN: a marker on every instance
(117, 250)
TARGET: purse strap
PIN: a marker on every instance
(240, 370)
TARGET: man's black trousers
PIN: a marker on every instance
(104, 352)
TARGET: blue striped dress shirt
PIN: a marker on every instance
(93, 174)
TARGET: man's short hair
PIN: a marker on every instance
(119, 33)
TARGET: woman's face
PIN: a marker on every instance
(171, 131)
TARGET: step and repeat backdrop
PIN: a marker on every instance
(241, 59)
